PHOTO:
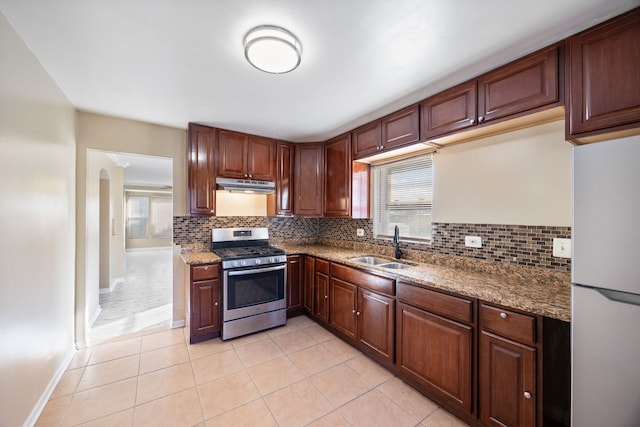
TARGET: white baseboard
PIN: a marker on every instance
(81, 344)
(177, 324)
(48, 391)
(95, 316)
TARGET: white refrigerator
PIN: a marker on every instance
(605, 324)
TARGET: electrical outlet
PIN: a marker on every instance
(473, 241)
(562, 248)
(360, 232)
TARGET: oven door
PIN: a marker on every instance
(253, 291)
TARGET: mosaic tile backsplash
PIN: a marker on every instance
(507, 244)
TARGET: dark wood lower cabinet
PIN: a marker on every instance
(295, 293)
(436, 353)
(309, 283)
(375, 324)
(343, 307)
(205, 302)
(507, 382)
(321, 309)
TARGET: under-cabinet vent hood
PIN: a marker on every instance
(245, 185)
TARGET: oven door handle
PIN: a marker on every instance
(257, 270)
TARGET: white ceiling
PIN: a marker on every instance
(171, 62)
(142, 170)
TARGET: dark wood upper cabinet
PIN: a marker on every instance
(604, 77)
(449, 111)
(202, 169)
(246, 156)
(281, 202)
(366, 140)
(524, 85)
(309, 176)
(337, 177)
(393, 131)
(400, 128)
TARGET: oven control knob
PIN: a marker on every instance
(273, 260)
(243, 263)
(235, 263)
(258, 262)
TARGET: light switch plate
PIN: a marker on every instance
(473, 241)
(562, 248)
(360, 232)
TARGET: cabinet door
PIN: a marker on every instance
(376, 317)
(524, 85)
(507, 382)
(294, 284)
(337, 177)
(232, 154)
(604, 65)
(205, 309)
(366, 140)
(449, 111)
(322, 297)
(309, 166)
(400, 128)
(437, 353)
(281, 202)
(261, 158)
(343, 307)
(309, 283)
(202, 171)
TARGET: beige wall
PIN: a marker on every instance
(521, 177)
(37, 225)
(99, 132)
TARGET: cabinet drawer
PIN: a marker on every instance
(322, 266)
(361, 278)
(436, 302)
(204, 272)
(509, 324)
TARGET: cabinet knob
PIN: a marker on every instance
(472, 121)
(481, 119)
(211, 211)
(353, 311)
(357, 313)
(503, 315)
(326, 296)
(382, 147)
(215, 303)
(527, 395)
(206, 268)
(250, 176)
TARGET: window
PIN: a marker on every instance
(403, 193)
(149, 216)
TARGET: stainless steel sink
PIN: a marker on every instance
(394, 265)
(380, 262)
(371, 260)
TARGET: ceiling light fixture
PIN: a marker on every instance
(272, 49)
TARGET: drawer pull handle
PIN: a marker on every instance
(527, 395)
(503, 315)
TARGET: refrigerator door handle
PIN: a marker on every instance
(619, 296)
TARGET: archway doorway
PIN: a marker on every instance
(133, 250)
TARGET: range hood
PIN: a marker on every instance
(245, 186)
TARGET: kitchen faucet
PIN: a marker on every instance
(396, 241)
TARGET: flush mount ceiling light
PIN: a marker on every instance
(272, 49)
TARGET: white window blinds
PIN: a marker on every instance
(402, 196)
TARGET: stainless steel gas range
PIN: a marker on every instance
(254, 280)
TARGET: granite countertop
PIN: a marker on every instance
(534, 290)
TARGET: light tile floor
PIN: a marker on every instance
(142, 301)
(294, 375)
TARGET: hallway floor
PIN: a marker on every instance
(294, 375)
(142, 301)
